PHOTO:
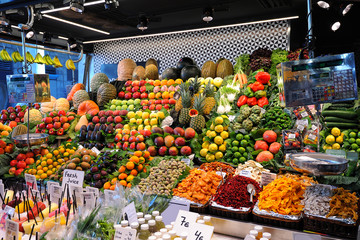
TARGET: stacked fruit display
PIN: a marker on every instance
(94, 135)
(144, 119)
(21, 162)
(56, 123)
(131, 139)
(347, 140)
(5, 130)
(6, 147)
(240, 148)
(171, 141)
(214, 142)
(268, 147)
(16, 114)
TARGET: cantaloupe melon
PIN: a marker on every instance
(151, 61)
(48, 106)
(138, 73)
(61, 104)
(208, 70)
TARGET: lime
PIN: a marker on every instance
(352, 135)
(244, 143)
(235, 161)
(242, 159)
(330, 139)
(235, 143)
(354, 146)
(358, 141)
(228, 141)
(358, 135)
(247, 137)
(358, 150)
(237, 155)
(229, 154)
(352, 140)
(241, 150)
(336, 132)
(239, 136)
(245, 154)
(235, 149)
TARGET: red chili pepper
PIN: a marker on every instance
(263, 77)
(252, 101)
(256, 86)
(263, 101)
(35, 210)
(242, 100)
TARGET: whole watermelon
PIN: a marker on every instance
(185, 61)
(190, 71)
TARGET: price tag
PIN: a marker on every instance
(124, 233)
(249, 237)
(200, 232)
(12, 230)
(93, 190)
(109, 194)
(300, 127)
(31, 181)
(245, 173)
(267, 178)
(304, 114)
(95, 150)
(2, 191)
(55, 193)
(130, 212)
(303, 236)
(186, 160)
(80, 147)
(175, 205)
(291, 136)
(312, 137)
(314, 127)
(184, 221)
(191, 157)
(77, 191)
(73, 177)
(88, 199)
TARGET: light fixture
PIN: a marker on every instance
(3, 20)
(5, 29)
(193, 30)
(63, 38)
(323, 4)
(345, 8)
(76, 24)
(72, 43)
(208, 14)
(67, 7)
(335, 26)
(47, 37)
(30, 34)
(77, 6)
(143, 23)
(111, 4)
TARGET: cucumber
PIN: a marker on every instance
(340, 114)
(340, 120)
(342, 125)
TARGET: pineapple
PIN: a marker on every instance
(195, 87)
(184, 117)
(197, 121)
(179, 105)
(210, 101)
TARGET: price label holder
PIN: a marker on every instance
(124, 233)
(245, 173)
(302, 236)
(200, 232)
(267, 178)
(31, 181)
(95, 150)
(55, 192)
(184, 221)
(109, 195)
(92, 190)
(12, 230)
(73, 177)
(186, 160)
(74, 189)
(88, 199)
(130, 212)
(175, 205)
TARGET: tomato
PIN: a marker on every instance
(29, 155)
(21, 164)
(29, 161)
(12, 171)
(13, 163)
(19, 171)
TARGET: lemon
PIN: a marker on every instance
(130, 115)
(153, 121)
(205, 145)
(340, 139)
(212, 134)
(336, 146)
(212, 126)
(326, 147)
(213, 147)
(210, 157)
(145, 115)
(219, 120)
(208, 133)
(224, 135)
(218, 140)
(219, 128)
(222, 147)
(161, 115)
(203, 152)
(335, 131)
(219, 155)
(139, 114)
(330, 139)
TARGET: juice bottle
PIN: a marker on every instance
(260, 231)
(139, 215)
(158, 234)
(152, 226)
(147, 217)
(267, 235)
(134, 225)
(152, 238)
(166, 237)
(159, 222)
(254, 233)
(155, 213)
(124, 223)
(163, 230)
(144, 233)
(201, 221)
(141, 221)
(168, 227)
(207, 220)
(184, 235)
(172, 234)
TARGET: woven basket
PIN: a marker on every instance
(239, 215)
(280, 222)
(200, 209)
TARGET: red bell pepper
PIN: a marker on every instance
(252, 101)
(263, 101)
(263, 77)
(35, 210)
(256, 86)
(242, 100)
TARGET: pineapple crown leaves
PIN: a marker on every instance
(209, 90)
(199, 103)
(195, 86)
(185, 98)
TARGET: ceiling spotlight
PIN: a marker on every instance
(3, 20)
(208, 14)
(143, 23)
(111, 4)
(6, 29)
(47, 37)
(335, 26)
(346, 8)
(72, 43)
(30, 34)
(76, 5)
(323, 4)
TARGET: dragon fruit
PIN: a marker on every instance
(164, 88)
(156, 89)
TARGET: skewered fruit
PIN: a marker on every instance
(5, 55)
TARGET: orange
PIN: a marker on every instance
(122, 176)
(164, 82)
(39, 167)
(44, 151)
(49, 161)
(37, 177)
(122, 169)
(60, 161)
(144, 170)
(38, 162)
(43, 163)
(45, 169)
(165, 95)
(129, 185)
(49, 172)
(113, 187)
(130, 165)
(140, 167)
(43, 176)
(12, 124)
(49, 155)
(51, 167)
(130, 178)
(141, 160)
(107, 185)
(138, 153)
(113, 181)
(58, 166)
(134, 159)
(151, 95)
(123, 182)
(172, 94)
(170, 82)
(157, 83)
(178, 81)
(55, 164)
(158, 95)
(126, 131)
(4, 133)
(61, 150)
(56, 152)
(134, 172)
(146, 154)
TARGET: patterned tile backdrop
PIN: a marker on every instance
(202, 45)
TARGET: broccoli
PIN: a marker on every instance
(255, 118)
(245, 112)
(256, 109)
(247, 124)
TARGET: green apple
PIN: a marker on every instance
(131, 107)
(124, 102)
(118, 107)
(130, 102)
(124, 107)
(113, 101)
(118, 102)
(137, 101)
(112, 107)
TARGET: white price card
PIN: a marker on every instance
(130, 212)
(200, 232)
(31, 181)
(73, 177)
(77, 191)
(267, 178)
(92, 190)
(124, 233)
(80, 147)
(186, 160)
(232, 118)
(11, 230)
(55, 193)
(109, 194)
(88, 199)
(304, 236)
(95, 150)
(175, 205)
(245, 173)
(184, 221)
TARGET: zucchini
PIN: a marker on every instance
(342, 125)
(340, 108)
(341, 120)
(340, 114)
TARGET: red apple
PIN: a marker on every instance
(118, 119)
(180, 141)
(101, 113)
(141, 146)
(136, 95)
(133, 146)
(109, 113)
(128, 89)
(166, 106)
(169, 141)
(142, 89)
(96, 119)
(147, 133)
(125, 138)
(158, 101)
(185, 151)
(169, 130)
(56, 119)
(57, 125)
(53, 114)
(135, 89)
(152, 151)
(21, 157)
(159, 141)
(128, 95)
(158, 107)
(172, 101)
(21, 114)
(62, 113)
(119, 126)
(173, 151)
(140, 138)
(121, 95)
(116, 113)
(110, 119)
(63, 120)
(49, 126)
(132, 139)
(66, 126)
(125, 145)
(179, 131)
(145, 107)
(143, 95)
(163, 151)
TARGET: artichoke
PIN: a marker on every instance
(255, 118)
(256, 109)
(240, 118)
(247, 124)
(245, 112)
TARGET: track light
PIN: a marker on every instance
(143, 23)
(6, 29)
(3, 20)
(72, 43)
(76, 5)
(30, 34)
(208, 14)
(345, 8)
(323, 4)
(335, 26)
(111, 4)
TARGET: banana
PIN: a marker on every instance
(57, 62)
(5, 55)
(70, 64)
(39, 59)
(29, 57)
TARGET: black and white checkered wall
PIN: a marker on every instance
(202, 45)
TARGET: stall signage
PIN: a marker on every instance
(200, 232)
(184, 221)
(267, 178)
(31, 181)
(12, 230)
(73, 177)
(175, 205)
(124, 233)
(55, 192)
(130, 212)
(95, 150)
(2, 191)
